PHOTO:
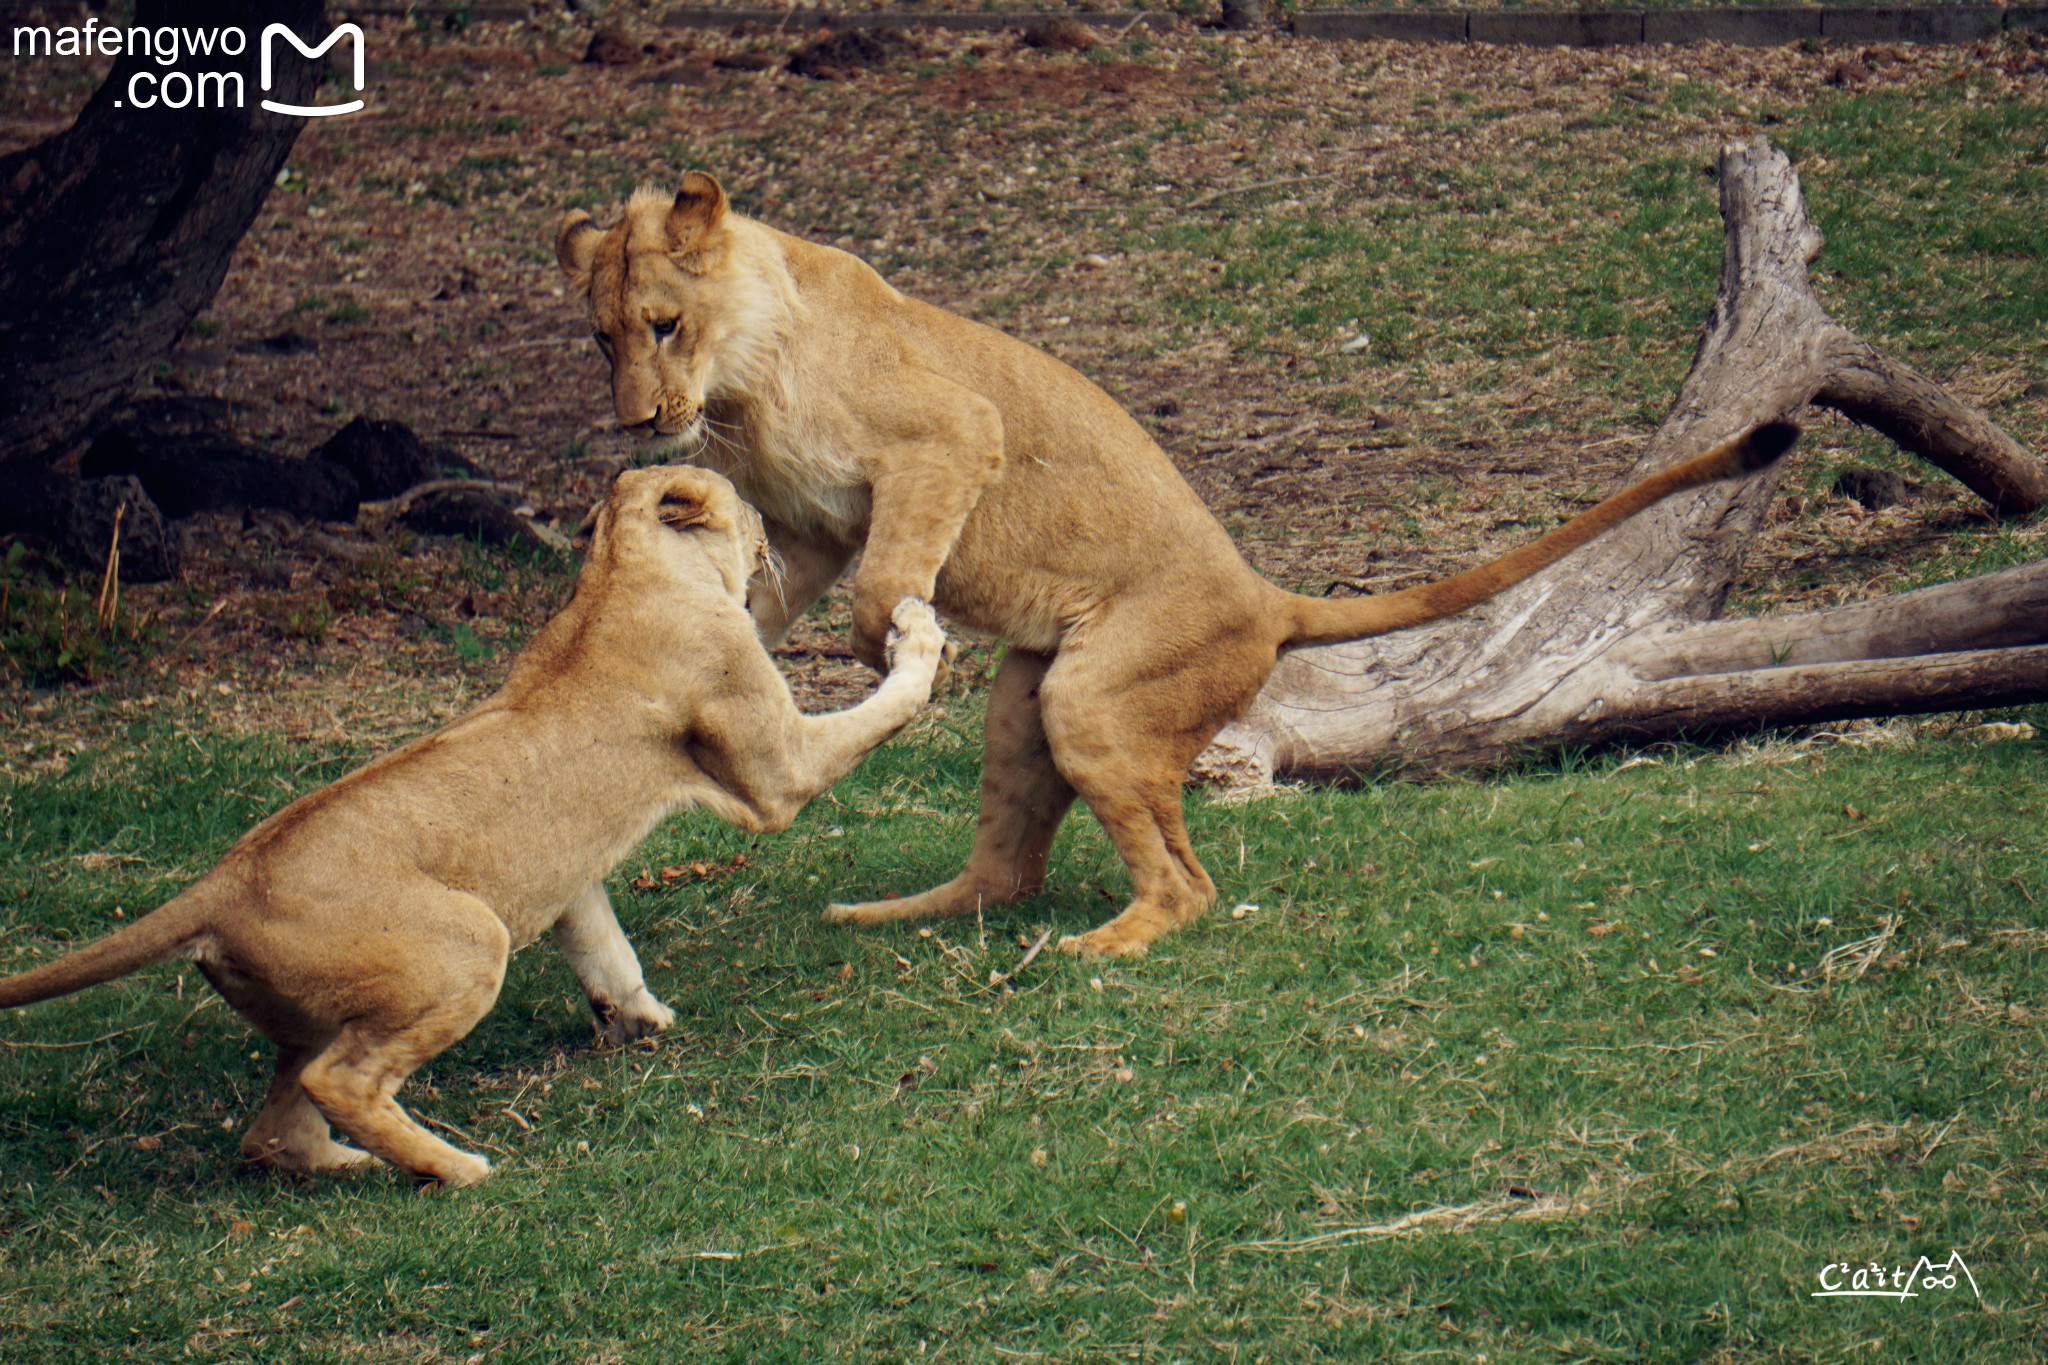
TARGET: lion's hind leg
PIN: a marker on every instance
(408, 997)
(1169, 886)
(291, 1133)
(1124, 724)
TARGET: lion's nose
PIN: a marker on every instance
(633, 403)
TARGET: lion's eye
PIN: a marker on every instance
(663, 330)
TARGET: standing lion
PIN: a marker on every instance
(966, 467)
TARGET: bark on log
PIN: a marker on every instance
(116, 232)
(1617, 643)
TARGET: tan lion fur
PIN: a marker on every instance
(970, 468)
(365, 927)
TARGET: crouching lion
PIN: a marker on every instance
(971, 469)
(365, 927)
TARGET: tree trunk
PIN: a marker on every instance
(1617, 642)
(115, 233)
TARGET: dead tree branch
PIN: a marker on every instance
(1618, 643)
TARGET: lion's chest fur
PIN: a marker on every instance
(796, 467)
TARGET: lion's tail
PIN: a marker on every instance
(172, 929)
(1327, 621)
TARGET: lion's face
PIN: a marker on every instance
(660, 302)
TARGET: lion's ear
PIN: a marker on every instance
(681, 508)
(576, 243)
(698, 210)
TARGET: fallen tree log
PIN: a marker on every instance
(1618, 644)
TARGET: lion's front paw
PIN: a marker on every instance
(636, 1018)
(915, 638)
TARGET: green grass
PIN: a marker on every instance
(1934, 253)
(1586, 1013)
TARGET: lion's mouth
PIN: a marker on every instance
(691, 432)
(664, 441)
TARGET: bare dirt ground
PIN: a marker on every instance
(403, 269)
